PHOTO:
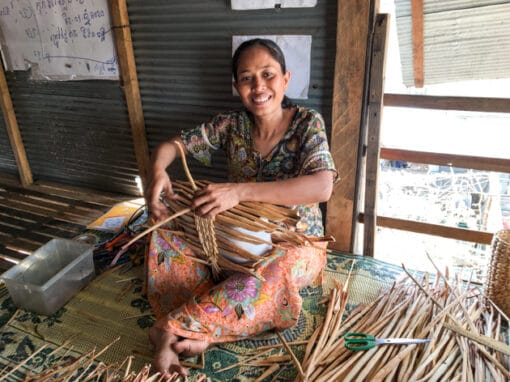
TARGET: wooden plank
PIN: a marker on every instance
(28, 200)
(55, 232)
(21, 206)
(93, 197)
(462, 161)
(9, 257)
(375, 107)
(476, 104)
(433, 229)
(10, 213)
(24, 245)
(417, 30)
(127, 65)
(57, 199)
(11, 124)
(29, 217)
(21, 232)
(67, 226)
(353, 31)
(6, 263)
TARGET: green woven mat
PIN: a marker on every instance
(112, 307)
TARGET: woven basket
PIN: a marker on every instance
(253, 217)
(498, 274)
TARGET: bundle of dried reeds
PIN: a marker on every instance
(466, 336)
(211, 239)
(88, 368)
(215, 241)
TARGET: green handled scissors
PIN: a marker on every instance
(363, 341)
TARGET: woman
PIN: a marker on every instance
(277, 153)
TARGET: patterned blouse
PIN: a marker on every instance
(303, 150)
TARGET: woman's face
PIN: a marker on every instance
(260, 81)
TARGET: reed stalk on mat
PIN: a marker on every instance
(87, 368)
(415, 308)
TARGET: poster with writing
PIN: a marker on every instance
(58, 39)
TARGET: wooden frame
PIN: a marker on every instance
(486, 105)
(431, 229)
(127, 65)
(462, 161)
(475, 104)
(353, 33)
(417, 29)
(375, 107)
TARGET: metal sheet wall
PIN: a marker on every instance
(463, 40)
(75, 132)
(183, 55)
(7, 160)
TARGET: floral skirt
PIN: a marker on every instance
(188, 303)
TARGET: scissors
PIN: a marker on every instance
(362, 341)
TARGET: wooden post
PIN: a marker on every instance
(11, 124)
(349, 82)
(375, 106)
(127, 65)
(417, 28)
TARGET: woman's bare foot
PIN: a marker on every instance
(166, 359)
(188, 347)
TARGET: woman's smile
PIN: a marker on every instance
(260, 99)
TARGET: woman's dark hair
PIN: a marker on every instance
(272, 48)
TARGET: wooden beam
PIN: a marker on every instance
(349, 82)
(417, 29)
(11, 124)
(375, 107)
(487, 105)
(126, 58)
(462, 161)
(433, 229)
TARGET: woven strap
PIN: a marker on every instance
(204, 226)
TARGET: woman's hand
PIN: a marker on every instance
(158, 185)
(216, 198)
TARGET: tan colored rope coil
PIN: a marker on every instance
(498, 273)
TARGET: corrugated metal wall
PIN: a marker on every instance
(463, 40)
(75, 132)
(78, 132)
(183, 55)
(7, 160)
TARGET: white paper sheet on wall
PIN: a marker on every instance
(58, 39)
(265, 4)
(297, 51)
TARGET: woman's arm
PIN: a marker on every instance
(158, 179)
(304, 189)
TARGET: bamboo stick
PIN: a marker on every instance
(291, 353)
(484, 340)
(268, 372)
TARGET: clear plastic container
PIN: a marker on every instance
(44, 281)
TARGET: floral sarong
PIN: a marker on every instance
(189, 304)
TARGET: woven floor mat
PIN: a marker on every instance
(112, 307)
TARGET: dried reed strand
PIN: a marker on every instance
(413, 308)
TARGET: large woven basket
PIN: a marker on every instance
(498, 274)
